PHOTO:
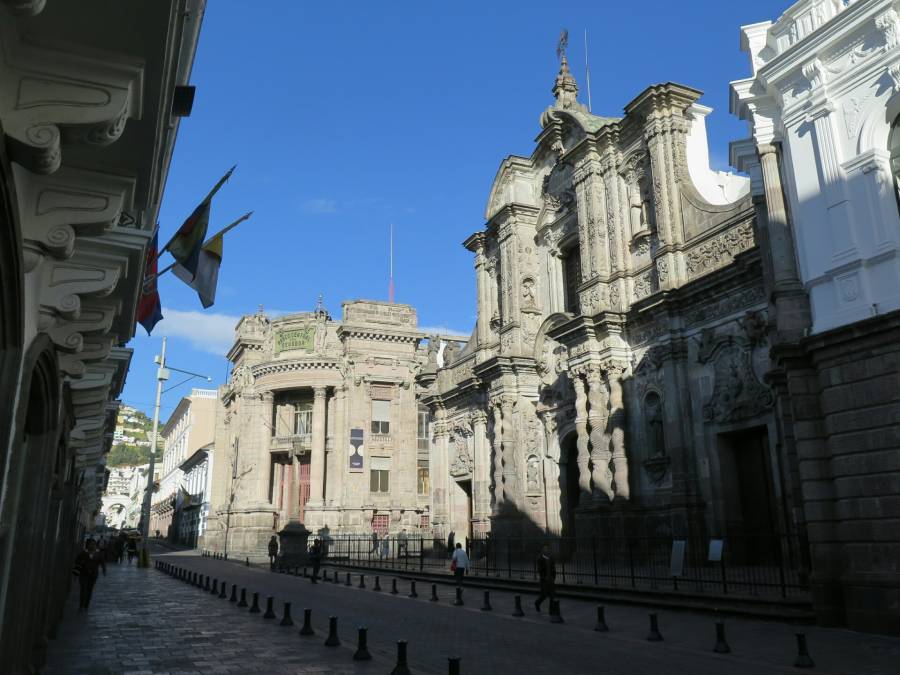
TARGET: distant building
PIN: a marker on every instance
(190, 427)
(320, 425)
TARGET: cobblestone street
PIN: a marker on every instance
(144, 621)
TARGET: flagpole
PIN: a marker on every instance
(391, 269)
(587, 70)
(211, 194)
(221, 232)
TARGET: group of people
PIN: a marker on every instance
(92, 559)
(382, 547)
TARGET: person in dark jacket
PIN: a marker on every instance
(547, 573)
(273, 551)
(315, 558)
(88, 564)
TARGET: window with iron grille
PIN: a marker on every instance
(380, 523)
(381, 417)
(424, 522)
(422, 436)
(380, 474)
(424, 485)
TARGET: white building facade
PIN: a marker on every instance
(822, 102)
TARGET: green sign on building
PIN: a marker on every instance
(300, 338)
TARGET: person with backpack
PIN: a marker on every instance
(459, 564)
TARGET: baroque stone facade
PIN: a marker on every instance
(320, 425)
(614, 382)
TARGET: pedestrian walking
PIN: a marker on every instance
(315, 557)
(273, 551)
(88, 563)
(547, 575)
(131, 548)
(459, 564)
(451, 539)
(402, 540)
(374, 542)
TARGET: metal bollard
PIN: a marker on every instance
(325, 574)
(246, 562)
(332, 640)
(307, 628)
(243, 602)
(804, 660)
(721, 643)
(362, 580)
(215, 587)
(517, 611)
(459, 601)
(233, 597)
(486, 606)
(270, 608)
(254, 608)
(654, 635)
(412, 590)
(601, 626)
(335, 580)
(555, 614)
(377, 586)
(206, 585)
(286, 619)
(434, 595)
(222, 594)
(362, 646)
(394, 590)
(453, 665)
(348, 582)
(402, 667)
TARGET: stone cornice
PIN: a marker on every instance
(289, 366)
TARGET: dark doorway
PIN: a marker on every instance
(568, 483)
(748, 496)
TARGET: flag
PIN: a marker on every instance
(187, 242)
(206, 274)
(149, 312)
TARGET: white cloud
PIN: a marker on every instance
(206, 331)
(444, 331)
(320, 206)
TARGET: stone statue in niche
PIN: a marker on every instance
(529, 293)
(653, 418)
(533, 474)
(449, 353)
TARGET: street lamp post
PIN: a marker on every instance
(162, 374)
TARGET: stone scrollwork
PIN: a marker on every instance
(737, 393)
(720, 250)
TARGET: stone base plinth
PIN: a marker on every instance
(294, 540)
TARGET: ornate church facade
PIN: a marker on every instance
(614, 380)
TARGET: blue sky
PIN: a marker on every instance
(346, 116)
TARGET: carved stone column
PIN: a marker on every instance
(482, 283)
(499, 496)
(340, 438)
(317, 457)
(791, 305)
(617, 428)
(481, 495)
(600, 440)
(584, 456)
(440, 472)
(263, 457)
(510, 459)
(292, 491)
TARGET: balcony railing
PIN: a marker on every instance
(292, 442)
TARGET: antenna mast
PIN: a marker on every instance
(587, 70)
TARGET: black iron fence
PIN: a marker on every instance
(763, 566)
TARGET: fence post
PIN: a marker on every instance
(421, 553)
(631, 560)
(594, 553)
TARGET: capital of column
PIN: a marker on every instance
(319, 392)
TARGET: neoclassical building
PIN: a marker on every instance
(319, 424)
(823, 106)
(614, 380)
(88, 118)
